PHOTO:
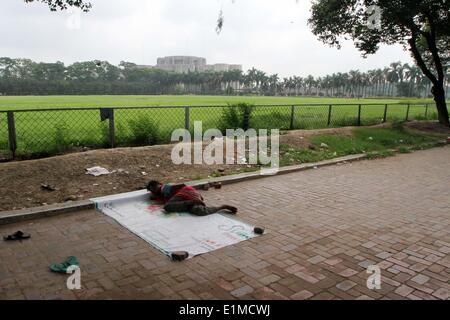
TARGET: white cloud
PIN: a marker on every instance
(266, 34)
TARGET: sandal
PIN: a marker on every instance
(19, 235)
(62, 267)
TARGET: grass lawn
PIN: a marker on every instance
(39, 102)
(45, 133)
(375, 142)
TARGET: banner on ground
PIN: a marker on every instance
(169, 232)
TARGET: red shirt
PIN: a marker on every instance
(169, 191)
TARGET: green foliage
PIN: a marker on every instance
(420, 117)
(26, 77)
(397, 124)
(374, 142)
(62, 137)
(404, 149)
(333, 20)
(290, 155)
(143, 131)
(421, 26)
(104, 133)
(236, 116)
(371, 139)
(379, 154)
(122, 135)
(215, 174)
(391, 138)
(55, 5)
(122, 132)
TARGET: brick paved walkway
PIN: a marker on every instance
(324, 227)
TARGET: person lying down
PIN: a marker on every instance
(183, 198)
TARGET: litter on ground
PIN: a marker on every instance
(97, 171)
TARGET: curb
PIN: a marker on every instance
(235, 178)
(8, 217)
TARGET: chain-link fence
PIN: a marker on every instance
(136, 126)
(43, 133)
(37, 133)
(3, 136)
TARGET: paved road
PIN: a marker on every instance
(324, 227)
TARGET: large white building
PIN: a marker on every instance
(183, 64)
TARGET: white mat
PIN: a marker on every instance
(174, 231)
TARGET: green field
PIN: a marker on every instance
(38, 102)
(49, 132)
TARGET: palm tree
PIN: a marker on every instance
(261, 79)
(414, 75)
(273, 82)
(379, 78)
(309, 83)
(355, 82)
(398, 73)
(250, 79)
(386, 77)
(297, 84)
(371, 76)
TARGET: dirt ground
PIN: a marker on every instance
(20, 181)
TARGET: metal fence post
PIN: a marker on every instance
(12, 133)
(187, 121)
(112, 136)
(359, 115)
(329, 115)
(407, 113)
(426, 111)
(385, 113)
(292, 117)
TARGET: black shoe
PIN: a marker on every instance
(179, 255)
(258, 230)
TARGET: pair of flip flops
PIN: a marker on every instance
(19, 235)
(62, 267)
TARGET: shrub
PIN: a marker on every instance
(121, 134)
(432, 116)
(397, 124)
(420, 117)
(62, 141)
(143, 131)
(236, 116)
(104, 133)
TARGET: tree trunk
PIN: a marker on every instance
(439, 97)
(437, 88)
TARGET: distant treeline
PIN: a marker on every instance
(26, 77)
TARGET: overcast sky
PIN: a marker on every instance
(271, 35)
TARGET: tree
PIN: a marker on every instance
(421, 26)
(24, 77)
(55, 5)
(273, 84)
